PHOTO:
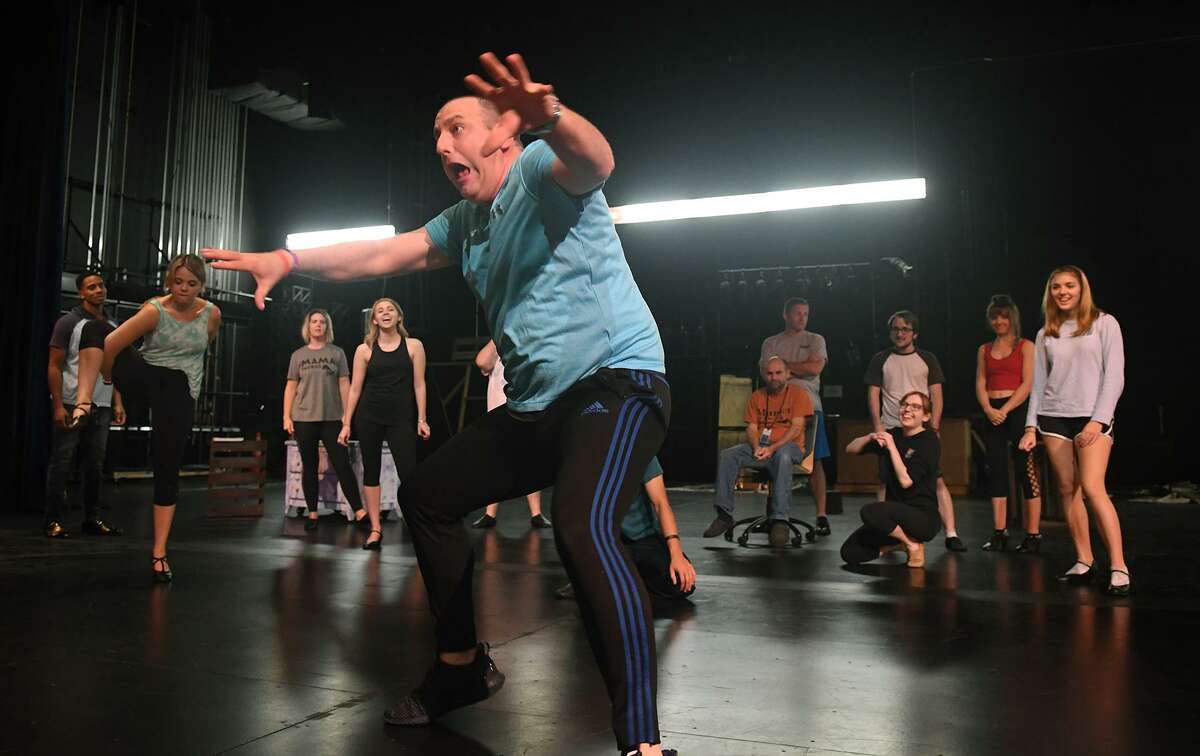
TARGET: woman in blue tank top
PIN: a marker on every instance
(388, 375)
(165, 375)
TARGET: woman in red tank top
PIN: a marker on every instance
(1003, 380)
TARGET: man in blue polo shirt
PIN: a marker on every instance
(588, 403)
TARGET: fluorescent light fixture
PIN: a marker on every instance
(310, 239)
(769, 202)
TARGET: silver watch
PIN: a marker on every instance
(548, 126)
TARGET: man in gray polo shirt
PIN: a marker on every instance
(893, 373)
(91, 435)
(805, 355)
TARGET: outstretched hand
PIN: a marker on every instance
(523, 103)
(268, 268)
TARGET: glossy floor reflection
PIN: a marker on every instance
(274, 641)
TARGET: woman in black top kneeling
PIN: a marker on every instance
(908, 518)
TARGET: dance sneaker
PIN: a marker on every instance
(954, 543)
(56, 530)
(485, 522)
(718, 526)
(99, 527)
(539, 521)
(823, 528)
(447, 687)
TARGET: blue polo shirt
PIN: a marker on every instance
(551, 275)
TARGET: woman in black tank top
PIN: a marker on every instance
(387, 402)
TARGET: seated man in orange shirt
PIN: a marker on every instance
(775, 418)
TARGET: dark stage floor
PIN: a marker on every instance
(272, 642)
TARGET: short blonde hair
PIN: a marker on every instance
(304, 332)
(194, 264)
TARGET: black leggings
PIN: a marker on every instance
(401, 439)
(308, 436)
(879, 519)
(165, 391)
(591, 444)
(996, 438)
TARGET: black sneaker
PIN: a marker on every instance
(99, 527)
(719, 525)
(954, 543)
(447, 687)
(823, 526)
(539, 521)
(665, 752)
(485, 522)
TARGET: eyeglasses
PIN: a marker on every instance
(898, 329)
(913, 407)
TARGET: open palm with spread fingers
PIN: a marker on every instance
(268, 268)
(523, 103)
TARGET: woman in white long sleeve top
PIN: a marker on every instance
(1079, 372)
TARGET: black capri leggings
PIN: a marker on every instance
(165, 391)
(308, 436)
(997, 438)
(880, 518)
(401, 439)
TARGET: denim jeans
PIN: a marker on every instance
(91, 439)
(779, 465)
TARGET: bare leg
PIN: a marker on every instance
(492, 509)
(535, 503)
(89, 368)
(1033, 515)
(371, 496)
(163, 516)
(1062, 460)
(881, 492)
(999, 512)
(817, 482)
(946, 508)
(1093, 463)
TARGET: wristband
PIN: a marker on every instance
(673, 535)
(289, 257)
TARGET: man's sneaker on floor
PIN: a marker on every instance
(954, 543)
(447, 687)
(823, 526)
(719, 525)
(779, 534)
(485, 522)
(539, 521)
(566, 592)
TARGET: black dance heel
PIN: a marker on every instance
(310, 523)
(1077, 578)
(998, 543)
(1118, 590)
(373, 545)
(1032, 544)
(163, 575)
(79, 414)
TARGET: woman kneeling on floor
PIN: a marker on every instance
(908, 518)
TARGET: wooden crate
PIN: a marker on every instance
(859, 473)
(237, 471)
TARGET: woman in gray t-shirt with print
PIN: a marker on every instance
(318, 383)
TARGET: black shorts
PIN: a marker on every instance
(1067, 428)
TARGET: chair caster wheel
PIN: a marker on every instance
(729, 536)
(743, 540)
(797, 541)
(810, 536)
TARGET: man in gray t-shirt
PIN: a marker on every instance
(90, 436)
(895, 372)
(805, 355)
